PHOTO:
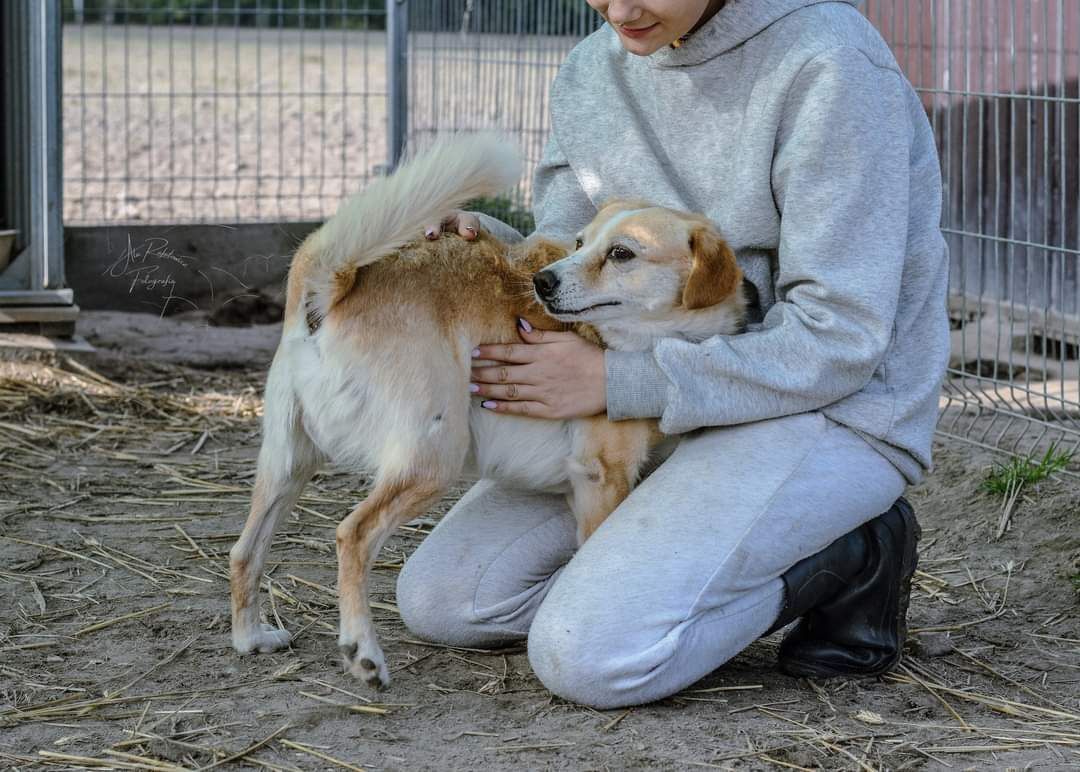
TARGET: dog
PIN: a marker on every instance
(372, 370)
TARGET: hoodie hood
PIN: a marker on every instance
(733, 25)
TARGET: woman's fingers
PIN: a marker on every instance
(507, 392)
(501, 374)
(464, 224)
(514, 353)
(531, 409)
(467, 225)
(550, 375)
(530, 335)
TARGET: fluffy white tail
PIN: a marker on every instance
(393, 211)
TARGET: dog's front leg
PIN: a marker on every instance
(607, 459)
(360, 536)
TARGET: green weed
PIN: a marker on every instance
(1017, 473)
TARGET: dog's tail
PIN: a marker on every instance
(393, 211)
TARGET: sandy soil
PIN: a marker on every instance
(123, 486)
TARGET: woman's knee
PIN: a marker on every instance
(436, 608)
(582, 659)
(440, 605)
(606, 657)
(566, 665)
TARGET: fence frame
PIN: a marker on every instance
(397, 80)
(35, 275)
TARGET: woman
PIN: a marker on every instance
(789, 124)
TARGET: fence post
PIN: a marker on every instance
(397, 79)
(29, 144)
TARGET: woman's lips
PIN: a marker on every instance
(639, 32)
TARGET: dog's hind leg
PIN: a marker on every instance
(360, 536)
(287, 461)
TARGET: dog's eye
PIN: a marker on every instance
(579, 244)
(620, 254)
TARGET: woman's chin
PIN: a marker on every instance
(647, 44)
(641, 47)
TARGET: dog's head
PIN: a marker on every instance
(637, 261)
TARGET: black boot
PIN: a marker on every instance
(853, 600)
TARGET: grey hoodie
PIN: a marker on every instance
(789, 124)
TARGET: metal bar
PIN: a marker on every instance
(397, 79)
(40, 107)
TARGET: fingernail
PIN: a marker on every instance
(524, 324)
(475, 352)
(473, 388)
(470, 229)
(488, 404)
(430, 233)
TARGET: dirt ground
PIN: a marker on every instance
(124, 478)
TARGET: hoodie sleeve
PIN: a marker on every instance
(562, 207)
(840, 178)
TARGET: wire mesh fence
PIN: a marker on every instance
(489, 64)
(229, 110)
(999, 82)
(220, 110)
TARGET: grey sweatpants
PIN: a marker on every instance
(679, 579)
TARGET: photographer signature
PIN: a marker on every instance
(149, 266)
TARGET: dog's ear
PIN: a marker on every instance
(714, 274)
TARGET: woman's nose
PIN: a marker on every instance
(623, 11)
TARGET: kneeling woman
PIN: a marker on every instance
(790, 125)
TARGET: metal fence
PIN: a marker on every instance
(999, 82)
(220, 110)
(489, 64)
(276, 110)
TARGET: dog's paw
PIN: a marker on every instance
(263, 639)
(366, 663)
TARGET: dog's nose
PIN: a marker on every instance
(546, 282)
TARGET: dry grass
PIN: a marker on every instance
(121, 495)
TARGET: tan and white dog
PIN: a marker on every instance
(373, 366)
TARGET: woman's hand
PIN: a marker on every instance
(464, 224)
(551, 375)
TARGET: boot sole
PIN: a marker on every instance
(807, 669)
